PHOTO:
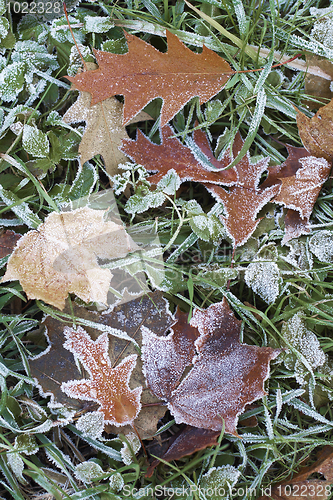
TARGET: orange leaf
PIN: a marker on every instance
(107, 386)
(225, 375)
(144, 73)
(172, 154)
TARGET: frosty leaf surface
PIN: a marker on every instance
(61, 256)
(321, 245)
(172, 154)
(144, 73)
(225, 375)
(107, 386)
(264, 279)
(244, 200)
(104, 130)
(35, 142)
(220, 479)
(305, 342)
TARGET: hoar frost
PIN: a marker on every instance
(321, 245)
(126, 453)
(305, 343)
(264, 279)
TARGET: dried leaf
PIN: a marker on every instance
(61, 256)
(187, 441)
(57, 365)
(109, 387)
(172, 154)
(243, 201)
(144, 73)
(316, 132)
(300, 487)
(294, 181)
(104, 130)
(8, 240)
(316, 85)
(224, 378)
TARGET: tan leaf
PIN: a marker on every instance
(61, 257)
(109, 387)
(104, 131)
(225, 375)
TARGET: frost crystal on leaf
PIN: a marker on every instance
(306, 344)
(87, 471)
(264, 279)
(126, 452)
(225, 376)
(96, 24)
(107, 386)
(16, 464)
(116, 482)
(91, 424)
(321, 245)
(220, 480)
(35, 142)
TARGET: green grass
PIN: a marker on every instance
(294, 420)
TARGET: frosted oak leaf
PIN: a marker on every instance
(225, 375)
(107, 386)
(61, 256)
(144, 73)
(187, 162)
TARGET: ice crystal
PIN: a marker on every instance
(91, 424)
(306, 344)
(4, 27)
(3, 7)
(12, 81)
(322, 29)
(299, 255)
(60, 32)
(87, 471)
(321, 245)
(16, 464)
(116, 482)
(139, 203)
(169, 183)
(126, 451)
(264, 279)
(35, 142)
(96, 24)
(75, 61)
(220, 480)
(23, 444)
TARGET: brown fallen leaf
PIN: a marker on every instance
(316, 85)
(104, 130)
(301, 180)
(302, 487)
(243, 201)
(8, 240)
(316, 132)
(172, 154)
(57, 365)
(144, 73)
(61, 257)
(186, 442)
(225, 375)
(107, 386)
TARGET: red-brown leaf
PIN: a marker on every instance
(225, 376)
(243, 201)
(144, 73)
(172, 154)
